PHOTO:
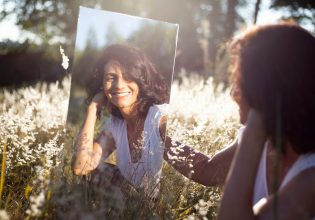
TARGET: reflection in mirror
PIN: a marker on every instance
(118, 105)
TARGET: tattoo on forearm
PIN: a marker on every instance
(81, 142)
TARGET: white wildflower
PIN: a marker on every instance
(36, 203)
(191, 217)
(30, 112)
(65, 59)
(4, 215)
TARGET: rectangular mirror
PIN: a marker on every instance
(120, 90)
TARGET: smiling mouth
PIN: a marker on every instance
(120, 94)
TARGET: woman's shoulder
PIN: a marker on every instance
(304, 162)
(160, 109)
(299, 192)
(156, 115)
(296, 194)
(295, 200)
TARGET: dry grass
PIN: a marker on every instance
(39, 183)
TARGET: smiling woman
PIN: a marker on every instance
(124, 64)
(127, 85)
(119, 91)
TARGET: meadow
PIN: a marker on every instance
(36, 179)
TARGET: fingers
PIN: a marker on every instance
(255, 119)
(255, 126)
(98, 98)
(99, 101)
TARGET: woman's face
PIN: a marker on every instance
(119, 91)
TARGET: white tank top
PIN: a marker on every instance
(303, 162)
(146, 172)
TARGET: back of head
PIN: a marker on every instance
(275, 72)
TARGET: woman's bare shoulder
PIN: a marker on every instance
(162, 126)
(294, 201)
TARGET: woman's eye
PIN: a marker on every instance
(109, 78)
(127, 78)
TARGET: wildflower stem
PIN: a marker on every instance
(2, 179)
(8, 200)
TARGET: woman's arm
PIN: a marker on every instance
(294, 201)
(238, 192)
(195, 165)
(89, 153)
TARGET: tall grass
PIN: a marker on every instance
(3, 164)
(39, 182)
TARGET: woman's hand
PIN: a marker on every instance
(255, 128)
(239, 187)
(97, 103)
(88, 153)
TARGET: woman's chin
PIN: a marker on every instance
(120, 103)
(125, 107)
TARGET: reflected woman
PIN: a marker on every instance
(128, 86)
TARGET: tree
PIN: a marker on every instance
(91, 41)
(58, 18)
(112, 35)
(55, 21)
(303, 11)
(157, 41)
(257, 5)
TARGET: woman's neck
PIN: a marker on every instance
(132, 118)
(284, 162)
(129, 114)
(133, 122)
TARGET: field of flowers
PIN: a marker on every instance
(36, 179)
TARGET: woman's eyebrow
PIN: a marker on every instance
(109, 73)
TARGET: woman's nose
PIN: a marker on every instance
(120, 83)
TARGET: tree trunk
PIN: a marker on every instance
(256, 10)
(230, 18)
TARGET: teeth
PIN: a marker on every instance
(121, 94)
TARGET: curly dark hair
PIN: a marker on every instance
(274, 70)
(136, 67)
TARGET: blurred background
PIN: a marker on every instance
(33, 30)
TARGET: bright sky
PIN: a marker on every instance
(89, 19)
(126, 25)
(265, 14)
(99, 20)
(9, 30)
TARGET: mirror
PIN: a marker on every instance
(120, 90)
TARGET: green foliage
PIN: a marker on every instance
(157, 40)
(300, 10)
(112, 35)
(55, 21)
(294, 4)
